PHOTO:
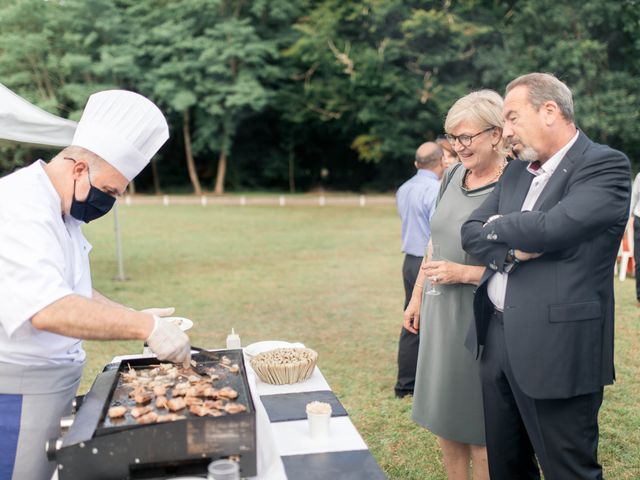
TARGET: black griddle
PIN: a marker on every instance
(99, 448)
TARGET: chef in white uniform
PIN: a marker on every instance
(47, 304)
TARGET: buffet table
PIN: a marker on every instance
(286, 451)
(281, 422)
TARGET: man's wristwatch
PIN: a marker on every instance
(511, 261)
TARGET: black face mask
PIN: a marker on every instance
(95, 206)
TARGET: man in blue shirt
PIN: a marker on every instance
(416, 199)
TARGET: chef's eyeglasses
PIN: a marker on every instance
(465, 140)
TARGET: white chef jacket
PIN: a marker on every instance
(43, 258)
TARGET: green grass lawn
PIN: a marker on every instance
(331, 278)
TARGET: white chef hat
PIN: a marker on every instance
(124, 128)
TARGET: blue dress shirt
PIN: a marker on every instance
(416, 201)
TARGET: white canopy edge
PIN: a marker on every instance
(21, 121)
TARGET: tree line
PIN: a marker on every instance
(293, 95)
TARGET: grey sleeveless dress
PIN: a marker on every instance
(448, 397)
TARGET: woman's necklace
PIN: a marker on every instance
(494, 179)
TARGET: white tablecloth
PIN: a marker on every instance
(292, 438)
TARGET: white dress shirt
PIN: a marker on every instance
(497, 286)
(635, 197)
(44, 257)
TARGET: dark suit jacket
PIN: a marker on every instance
(559, 308)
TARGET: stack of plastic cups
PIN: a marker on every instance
(223, 470)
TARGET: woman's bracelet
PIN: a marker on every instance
(419, 285)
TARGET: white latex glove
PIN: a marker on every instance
(168, 342)
(160, 312)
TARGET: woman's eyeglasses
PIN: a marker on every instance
(465, 140)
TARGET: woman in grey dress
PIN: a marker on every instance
(448, 396)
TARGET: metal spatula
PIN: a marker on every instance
(201, 369)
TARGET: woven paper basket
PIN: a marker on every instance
(285, 365)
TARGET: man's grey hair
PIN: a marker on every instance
(544, 87)
(79, 153)
(431, 159)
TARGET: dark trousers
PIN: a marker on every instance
(562, 433)
(409, 342)
(636, 252)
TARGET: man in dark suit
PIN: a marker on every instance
(544, 310)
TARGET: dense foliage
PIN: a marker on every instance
(301, 94)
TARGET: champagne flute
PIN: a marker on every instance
(436, 254)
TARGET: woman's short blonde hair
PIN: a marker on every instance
(483, 107)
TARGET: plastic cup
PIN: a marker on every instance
(319, 425)
(223, 470)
